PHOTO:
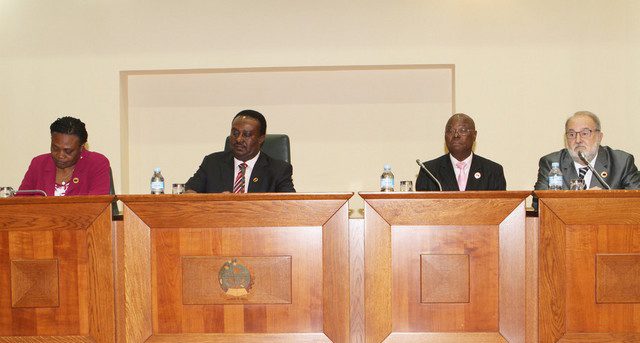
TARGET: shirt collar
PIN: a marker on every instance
(250, 163)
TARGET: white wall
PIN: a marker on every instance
(521, 66)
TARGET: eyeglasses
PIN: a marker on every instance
(586, 133)
(461, 132)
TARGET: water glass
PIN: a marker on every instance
(577, 184)
(177, 188)
(406, 186)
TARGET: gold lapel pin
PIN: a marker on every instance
(477, 175)
(76, 180)
(255, 179)
(604, 174)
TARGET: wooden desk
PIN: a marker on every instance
(589, 266)
(444, 267)
(56, 270)
(172, 254)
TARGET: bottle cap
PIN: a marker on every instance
(156, 170)
(387, 167)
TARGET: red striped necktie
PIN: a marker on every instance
(238, 185)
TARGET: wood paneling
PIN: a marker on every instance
(377, 276)
(444, 278)
(488, 227)
(618, 278)
(68, 236)
(256, 229)
(34, 283)
(480, 313)
(269, 280)
(589, 243)
(531, 278)
(445, 208)
(356, 258)
(484, 337)
(512, 280)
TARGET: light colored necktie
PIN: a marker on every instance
(238, 185)
(462, 177)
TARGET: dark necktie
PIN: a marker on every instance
(582, 172)
(238, 186)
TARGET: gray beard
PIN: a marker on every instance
(589, 155)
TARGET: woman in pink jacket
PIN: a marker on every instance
(70, 169)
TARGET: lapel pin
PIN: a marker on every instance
(255, 179)
(604, 174)
(76, 180)
(477, 175)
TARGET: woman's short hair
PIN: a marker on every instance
(70, 126)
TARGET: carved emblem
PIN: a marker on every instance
(235, 279)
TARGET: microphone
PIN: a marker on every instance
(30, 191)
(584, 159)
(429, 173)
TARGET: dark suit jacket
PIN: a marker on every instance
(490, 176)
(216, 175)
(618, 167)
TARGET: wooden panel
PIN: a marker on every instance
(47, 339)
(600, 338)
(480, 314)
(34, 283)
(36, 213)
(589, 245)
(100, 281)
(76, 245)
(531, 278)
(135, 272)
(244, 338)
(445, 208)
(356, 257)
(551, 276)
(594, 206)
(583, 245)
(335, 273)
(377, 276)
(244, 226)
(484, 337)
(444, 278)
(512, 294)
(489, 227)
(268, 280)
(304, 245)
(617, 278)
(229, 210)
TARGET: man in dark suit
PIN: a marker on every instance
(243, 169)
(583, 133)
(460, 169)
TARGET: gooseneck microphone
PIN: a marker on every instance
(584, 159)
(429, 173)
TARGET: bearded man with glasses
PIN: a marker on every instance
(583, 134)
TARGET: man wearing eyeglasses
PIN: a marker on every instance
(460, 169)
(583, 133)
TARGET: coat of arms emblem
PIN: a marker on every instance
(235, 279)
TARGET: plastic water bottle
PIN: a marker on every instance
(555, 177)
(157, 182)
(386, 179)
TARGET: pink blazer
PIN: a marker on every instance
(90, 176)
